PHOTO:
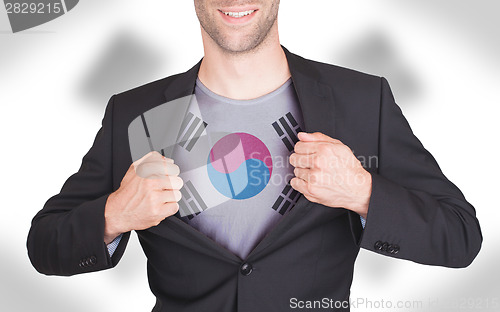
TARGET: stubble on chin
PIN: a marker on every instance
(248, 44)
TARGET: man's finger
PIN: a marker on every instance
(173, 183)
(172, 169)
(171, 196)
(167, 183)
(301, 173)
(146, 156)
(310, 147)
(302, 160)
(157, 169)
(316, 137)
(301, 186)
(303, 147)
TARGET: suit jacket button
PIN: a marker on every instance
(246, 269)
(384, 246)
(396, 249)
(93, 260)
(83, 263)
(390, 249)
(378, 245)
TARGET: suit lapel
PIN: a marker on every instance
(318, 106)
(315, 98)
(183, 84)
(318, 109)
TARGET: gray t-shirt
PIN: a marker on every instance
(233, 158)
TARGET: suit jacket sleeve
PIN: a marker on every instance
(415, 212)
(67, 235)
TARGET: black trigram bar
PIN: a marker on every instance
(286, 200)
(193, 132)
(287, 128)
(144, 124)
(191, 203)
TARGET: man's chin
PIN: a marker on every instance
(239, 46)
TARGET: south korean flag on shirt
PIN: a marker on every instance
(219, 165)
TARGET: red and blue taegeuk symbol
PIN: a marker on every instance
(239, 165)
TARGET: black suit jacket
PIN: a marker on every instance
(415, 212)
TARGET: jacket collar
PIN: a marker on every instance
(315, 97)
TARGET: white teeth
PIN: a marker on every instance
(239, 14)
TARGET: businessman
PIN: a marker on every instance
(231, 236)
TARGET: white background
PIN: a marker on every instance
(441, 58)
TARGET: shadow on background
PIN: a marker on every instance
(22, 292)
(478, 292)
(125, 63)
(376, 267)
(476, 22)
(373, 53)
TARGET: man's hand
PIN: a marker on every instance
(148, 193)
(327, 172)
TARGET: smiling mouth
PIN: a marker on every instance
(238, 14)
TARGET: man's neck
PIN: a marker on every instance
(244, 76)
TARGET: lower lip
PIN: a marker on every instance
(237, 20)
